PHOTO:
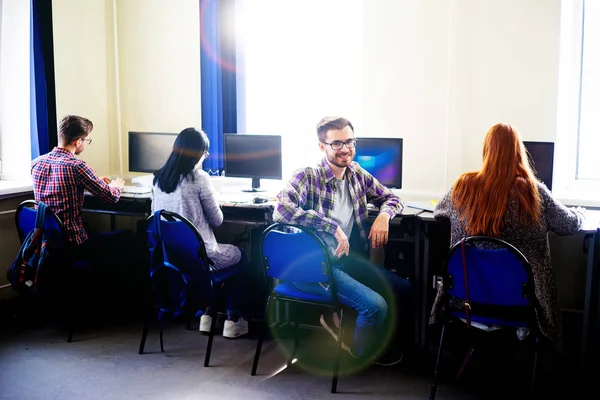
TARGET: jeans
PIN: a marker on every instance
(382, 300)
(235, 284)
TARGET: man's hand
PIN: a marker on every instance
(105, 179)
(343, 244)
(379, 230)
(118, 183)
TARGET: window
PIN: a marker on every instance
(588, 162)
(577, 167)
(15, 148)
(299, 64)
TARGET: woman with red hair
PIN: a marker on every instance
(505, 200)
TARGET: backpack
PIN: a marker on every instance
(177, 291)
(35, 269)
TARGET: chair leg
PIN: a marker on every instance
(535, 360)
(211, 336)
(261, 337)
(143, 341)
(162, 348)
(296, 343)
(336, 361)
(71, 330)
(466, 360)
(435, 368)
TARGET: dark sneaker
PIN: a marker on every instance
(327, 323)
(390, 357)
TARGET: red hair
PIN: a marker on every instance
(481, 197)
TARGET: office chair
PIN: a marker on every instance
(25, 220)
(497, 288)
(182, 278)
(296, 254)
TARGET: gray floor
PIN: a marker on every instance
(102, 363)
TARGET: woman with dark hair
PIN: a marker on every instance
(506, 201)
(181, 186)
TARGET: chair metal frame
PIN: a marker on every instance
(334, 304)
(528, 292)
(202, 255)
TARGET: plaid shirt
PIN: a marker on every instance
(309, 197)
(59, 180)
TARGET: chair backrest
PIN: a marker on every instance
(179, 267)
(25, 219)
(36, 268)
(499, 278)
(294, 253)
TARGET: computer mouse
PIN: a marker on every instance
(260, 200)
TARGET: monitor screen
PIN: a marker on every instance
(148, 151)
(382, 158)
(252, 156)
(541, 159)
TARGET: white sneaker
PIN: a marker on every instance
(205, 322)
(232, 329)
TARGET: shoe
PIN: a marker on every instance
(205, 322)
(233, 329)
(329, 329)
(389, 358)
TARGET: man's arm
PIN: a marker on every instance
(383, 197)
(290, 202)
(97, 186)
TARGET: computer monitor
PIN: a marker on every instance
(252, 156)
(148, 151)
(541, 159)
(382, 158)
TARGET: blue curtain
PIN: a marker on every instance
(41, 73)
(217, 77)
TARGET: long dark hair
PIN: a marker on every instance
(188, 148)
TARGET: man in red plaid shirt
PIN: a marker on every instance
(59, 180)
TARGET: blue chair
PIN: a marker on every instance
(183, 281)
(25, 219)
(296, 254)
(494, 281)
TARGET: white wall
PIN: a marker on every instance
(82, 54)
(159, 66)
(148, 79)
(440, 75)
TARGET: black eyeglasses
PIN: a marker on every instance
(338, 145)
(89, 141)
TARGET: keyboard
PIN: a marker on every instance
(233, 198)
(136, 189)
(422, 205)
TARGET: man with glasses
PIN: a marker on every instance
(59, 180)
(332, 198)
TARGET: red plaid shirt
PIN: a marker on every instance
(59, 180)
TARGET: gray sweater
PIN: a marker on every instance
(533, 243)
(195, 199)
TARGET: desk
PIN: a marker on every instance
(591, 308)
(404, 228)
(140, 205)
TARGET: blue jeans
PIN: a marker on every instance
(235, 285)
(382, 300)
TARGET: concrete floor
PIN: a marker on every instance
(103, 363)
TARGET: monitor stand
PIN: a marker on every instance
(255, 186)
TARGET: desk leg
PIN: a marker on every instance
(590, 306)
(418, 296)
(425, 282)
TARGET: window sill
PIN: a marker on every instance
(9, 188)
